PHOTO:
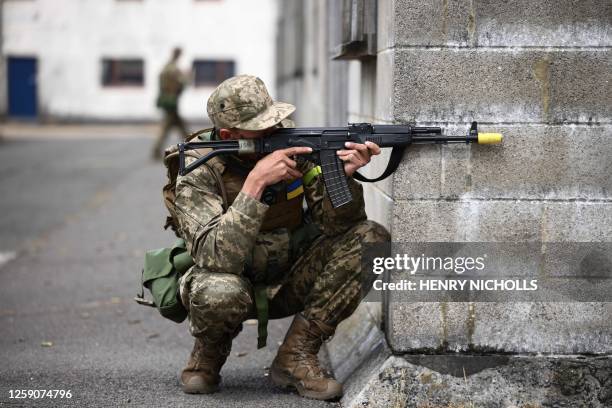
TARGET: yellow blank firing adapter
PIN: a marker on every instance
(490, 138)
(483, 138)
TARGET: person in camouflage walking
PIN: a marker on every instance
(250, 250)
(171, 84)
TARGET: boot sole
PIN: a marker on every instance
(197, 389)
(284, 381)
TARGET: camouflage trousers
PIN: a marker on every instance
(325, 284)
(171, 119)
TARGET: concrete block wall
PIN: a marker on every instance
(540, 73)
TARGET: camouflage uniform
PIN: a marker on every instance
(233, 249)
(325, 282)
(171, 84)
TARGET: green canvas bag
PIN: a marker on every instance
(161, 273)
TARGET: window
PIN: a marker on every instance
(355, 35)
(212, 72)
(122, 72)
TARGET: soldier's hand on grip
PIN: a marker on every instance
(357, 155)
(275, 167)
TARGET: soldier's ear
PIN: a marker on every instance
(225, 134)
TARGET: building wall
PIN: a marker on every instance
(540, 73)
(304, 69)
(70, 37)
(327, 91)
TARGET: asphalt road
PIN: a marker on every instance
(77, 215)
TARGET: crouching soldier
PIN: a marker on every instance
(257, 253)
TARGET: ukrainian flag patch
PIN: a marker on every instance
(295, 189)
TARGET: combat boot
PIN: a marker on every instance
(297, 365)
(201, 375)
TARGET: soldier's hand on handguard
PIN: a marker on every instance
(357, 155)
(275, 167)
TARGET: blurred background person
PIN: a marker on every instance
(172, 81)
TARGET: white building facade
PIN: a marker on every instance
(100, 59)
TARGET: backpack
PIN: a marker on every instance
(171, 161)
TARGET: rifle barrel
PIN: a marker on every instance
(444, 139)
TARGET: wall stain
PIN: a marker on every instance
(541, 71)
(544, 237)
(445, 19)
(468, 170)
(471, 324)
(471, 28)
(444, 315)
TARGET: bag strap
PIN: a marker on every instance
(139, 298)
(261, 304)
(396, 157)
(214, 171)
(221, 185)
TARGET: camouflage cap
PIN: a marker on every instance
(243, 102)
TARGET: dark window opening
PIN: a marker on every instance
(355, 34)
(122, 72)
(211, 72)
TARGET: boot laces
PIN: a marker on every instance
(307, 353)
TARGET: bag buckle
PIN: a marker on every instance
(142, 301)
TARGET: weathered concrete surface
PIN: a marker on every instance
(478, 221)
(502, 220)
(565, 23)
(500, 85)
(358, 349)
(488, 381)
(358, 382)
(505, 327)
(355, 340)
(535, 161)
(539, 72)
(517, 327)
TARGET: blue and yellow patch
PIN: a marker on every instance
(295, 189)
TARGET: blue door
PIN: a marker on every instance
(22, 87)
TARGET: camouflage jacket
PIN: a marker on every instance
(225, 241)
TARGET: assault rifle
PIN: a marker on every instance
(325, 142)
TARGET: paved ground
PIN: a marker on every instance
(78, 213)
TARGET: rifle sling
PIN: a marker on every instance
(396, 157)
